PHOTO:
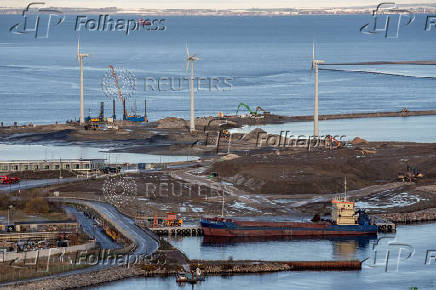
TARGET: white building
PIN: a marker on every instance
(39, 165)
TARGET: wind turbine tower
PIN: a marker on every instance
(190, 59)
(315, 65)
(80, 57)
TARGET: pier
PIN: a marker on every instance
(178, 231)
(385, 226)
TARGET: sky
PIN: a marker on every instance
(205, 4)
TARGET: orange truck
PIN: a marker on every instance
(9, 180)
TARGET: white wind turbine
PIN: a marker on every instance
(80, 57)
(190, 59)
(315, 64)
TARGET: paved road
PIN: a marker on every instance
(26, 184)
(90, 226)
(145, 241)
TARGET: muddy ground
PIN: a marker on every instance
(295, 183)
(170, 135)
(257, 180)
(322, 170)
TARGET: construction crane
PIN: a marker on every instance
(120, 95)
(252, 113)
(126, 116)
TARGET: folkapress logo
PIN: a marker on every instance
(106, 23)
(37, 21)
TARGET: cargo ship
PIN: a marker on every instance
(345, 221)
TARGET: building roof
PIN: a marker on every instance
(52, 160)
(46, 222)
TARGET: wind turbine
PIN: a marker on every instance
(313, 53)
(190, 59)
(315, 64)
(80, 57)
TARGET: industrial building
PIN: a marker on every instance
(40, 165)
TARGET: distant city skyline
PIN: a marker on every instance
(210, 4)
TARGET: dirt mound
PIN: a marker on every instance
(254, 134)
(357, 141)
(171, 122)
(322, 171)
(230, 157)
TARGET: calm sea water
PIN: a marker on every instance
(268, 59)
(414, 240)
(407, 129)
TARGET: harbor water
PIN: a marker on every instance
(411, 262)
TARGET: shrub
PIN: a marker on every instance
(37, 205)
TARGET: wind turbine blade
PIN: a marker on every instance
(313, 49)
(187, 65)
(187, 50)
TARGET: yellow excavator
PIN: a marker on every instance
(412, 174)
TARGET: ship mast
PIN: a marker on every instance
(222, 207)
(345, 189)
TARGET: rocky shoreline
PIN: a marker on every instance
(426, 215)
(208, 268)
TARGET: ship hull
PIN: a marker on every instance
(232, 229)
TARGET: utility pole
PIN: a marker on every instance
(9, 208)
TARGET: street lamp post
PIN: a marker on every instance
(9, 208)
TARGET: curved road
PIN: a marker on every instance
(146, 241)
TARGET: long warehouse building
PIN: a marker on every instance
(40, 165)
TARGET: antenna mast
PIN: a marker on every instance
(345, 189)
(222, 207)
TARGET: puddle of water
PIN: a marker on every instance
(47, 152)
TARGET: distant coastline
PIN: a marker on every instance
(416, 9)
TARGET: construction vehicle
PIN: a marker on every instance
(9, 180)
(366, 152)
(126, 115)
(213, 175)
(333, 142)
(225, 134)
(95, 123)
(255, 113)
(404, 112)
(412, 174)
(108, 169)
(172, 220)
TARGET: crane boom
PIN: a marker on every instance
(246, 106)
(120, 95)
